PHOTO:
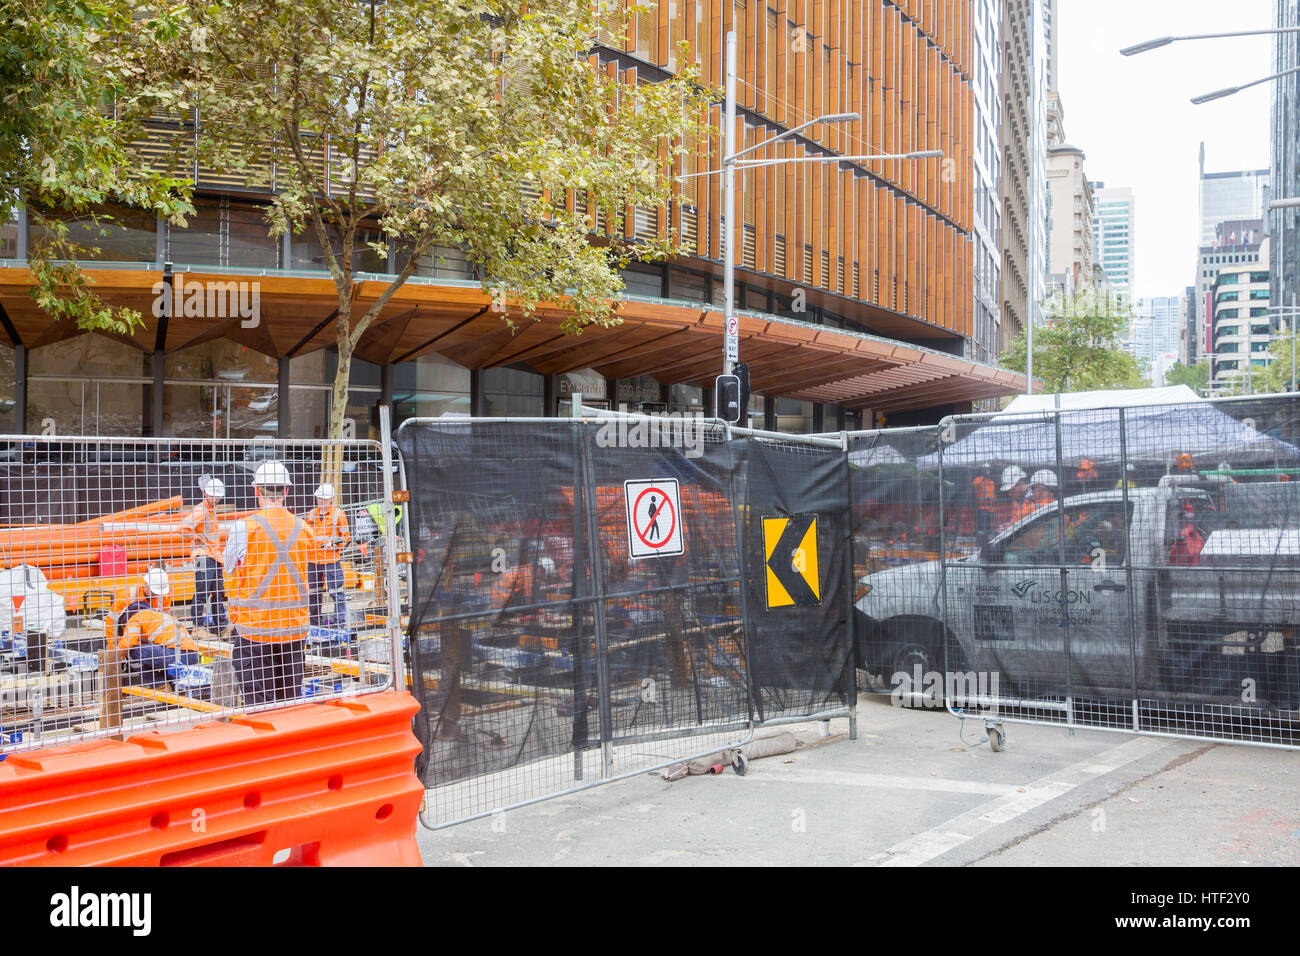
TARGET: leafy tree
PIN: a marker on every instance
(1279, 375)
(481, 125)
(1196, 377)
(73, 98)
(1077, 348)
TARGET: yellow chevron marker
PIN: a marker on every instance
(790, 550)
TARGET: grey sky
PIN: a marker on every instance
(1133, 118)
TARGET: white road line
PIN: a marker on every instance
(966, 826)
(892, 782)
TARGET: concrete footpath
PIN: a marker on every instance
(910, 791)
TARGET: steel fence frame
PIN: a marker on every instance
(739, 732)
(1074, 710)
(64, 451)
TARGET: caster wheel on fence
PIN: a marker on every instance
(739, 764)
(997, 738)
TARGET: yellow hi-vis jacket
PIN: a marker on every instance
(267, 592)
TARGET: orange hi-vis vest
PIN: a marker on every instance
(135, 594)
(985, 491)
(329, 523)
(267, 594)
(156, 627)
(207, 532)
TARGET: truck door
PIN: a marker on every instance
(1025, 613)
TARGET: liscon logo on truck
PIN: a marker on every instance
(1030, 590)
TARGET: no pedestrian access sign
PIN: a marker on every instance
(654, 517)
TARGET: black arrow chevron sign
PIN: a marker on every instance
(790, 547)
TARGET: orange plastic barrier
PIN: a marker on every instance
(329, 784)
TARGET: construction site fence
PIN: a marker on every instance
(594, 597)
(92, 529)
(1133, 569)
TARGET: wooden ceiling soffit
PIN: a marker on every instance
(814, 374)
(384, 334)
(618, 346)
(434, 342)
(626, 367)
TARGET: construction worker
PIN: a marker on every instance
(1087, 474)
(209, 593)
(325, 573)
(1183, 465)
(986, 496)
(1130, 478)
(266, 561)
(153, 592)
(152, 639)
(1042, 489)
(1013, 486)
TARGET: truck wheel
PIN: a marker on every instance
(913, 647)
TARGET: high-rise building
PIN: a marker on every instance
(1155, 334)
(1051, 45)
(1114, 232)
(838, 263)
(1239, 194)
(1242, 328)
(1023, 147)
(1284, 141)
(1070, 207)
(1238, 242)
(986, 161)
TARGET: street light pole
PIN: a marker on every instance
(731, 334)
(731, 161)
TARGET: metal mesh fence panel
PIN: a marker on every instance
(149, 583)
(799, 556)
(1139, 573)
(900, 522)
(581, 597)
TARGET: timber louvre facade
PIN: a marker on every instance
(868, 265)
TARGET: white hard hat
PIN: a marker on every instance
(157, 582)
(1010, 475)
(1044, 476)
(213, 487)
(325, 491)
(272, 474)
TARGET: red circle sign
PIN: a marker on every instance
(672, 513)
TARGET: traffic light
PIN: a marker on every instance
(727, 390)
(732, 394)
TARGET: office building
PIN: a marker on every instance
(1114, 231)
(855, 281)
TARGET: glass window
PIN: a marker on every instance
(688, 285)
(429, 387)
(643, 280)
(129, 236)
(306, 251)
(221, 360)
(224, 233)
(8, 239)
(793, 416)
(509, 391)
(1087, 529)
(90, 355)
(9, 424)
(690, 398)
(441, 262)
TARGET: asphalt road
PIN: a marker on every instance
(917, 789)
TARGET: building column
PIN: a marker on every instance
(20, 389)
(477, 397)
(818, 418)
(283, 424)
(769, 413)
(611, 390)
(841, 418)
(550, 396)
(706, 399)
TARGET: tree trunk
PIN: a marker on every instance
(332, 457)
